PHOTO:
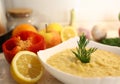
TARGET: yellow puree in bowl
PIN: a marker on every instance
(102, 64)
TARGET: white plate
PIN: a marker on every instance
(68, 78)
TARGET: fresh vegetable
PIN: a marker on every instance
(98, 32)
(5, 37)
(119, 32)
(85, 31)
(111, 41)
(119, 16)
(82, 53)
(69, 30)
(25, 40)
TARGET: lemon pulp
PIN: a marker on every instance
(67, 33)
(26, 68)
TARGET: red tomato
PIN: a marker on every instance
(25, 40)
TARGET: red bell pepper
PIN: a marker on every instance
(25, 40)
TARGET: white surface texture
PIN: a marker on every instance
(6, 78)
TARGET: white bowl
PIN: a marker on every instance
(71, 79)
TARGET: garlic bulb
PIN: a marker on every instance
(98, 32)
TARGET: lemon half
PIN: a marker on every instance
(67, 33)
(26, 68)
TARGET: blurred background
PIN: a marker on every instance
(88, 12)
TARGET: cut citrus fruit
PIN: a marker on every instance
(26, 68)
(67, 33)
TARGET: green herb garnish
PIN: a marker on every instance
(82, 53)
(111, 41)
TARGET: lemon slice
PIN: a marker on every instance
(26, 68)
(67, 33)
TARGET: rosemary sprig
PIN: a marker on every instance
(82, 53)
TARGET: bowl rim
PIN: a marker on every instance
(72, 41)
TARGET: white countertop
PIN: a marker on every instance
(5, 77)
